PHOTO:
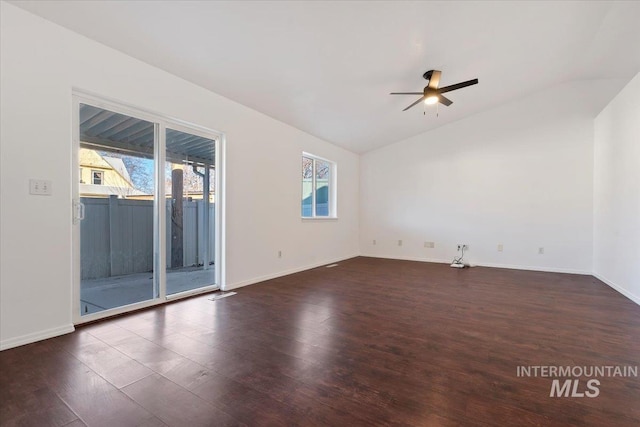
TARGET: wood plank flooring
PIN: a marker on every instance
(369, 342)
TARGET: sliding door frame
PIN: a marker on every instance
(161, 123)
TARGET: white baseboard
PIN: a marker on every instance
(408, 258)
(482, 264)
(253, 281)
(36, 336)
(534, 268)
(618, 288)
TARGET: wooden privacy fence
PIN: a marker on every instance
(116, 236)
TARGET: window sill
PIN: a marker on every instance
(319, 218)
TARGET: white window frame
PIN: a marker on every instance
(333, 174)
(93, 181)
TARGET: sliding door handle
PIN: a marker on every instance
(78, 211)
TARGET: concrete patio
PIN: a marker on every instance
(111, 292)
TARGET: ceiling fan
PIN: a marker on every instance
(431, 94)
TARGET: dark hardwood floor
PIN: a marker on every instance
(369, 342)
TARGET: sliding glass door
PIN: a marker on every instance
(116, 189)
(145, 210)
(190, 207)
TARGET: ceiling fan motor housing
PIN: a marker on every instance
(428, 91)
(428, 74)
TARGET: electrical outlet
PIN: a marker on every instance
(429, 245)
(500, 247)
(40, 187)
(399, 242)
(540, 251)
(462, 247)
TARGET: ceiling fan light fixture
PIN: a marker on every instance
(430, 100)
(432, 93)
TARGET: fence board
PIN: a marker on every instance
(190, 230)
(116, 236)
(94, 239)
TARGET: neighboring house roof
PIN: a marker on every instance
(121, 186)
(108, 190)
(118, 166)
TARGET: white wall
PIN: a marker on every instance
(519, 175)
(40, 64)
(616, 243)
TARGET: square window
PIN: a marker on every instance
(97, 177)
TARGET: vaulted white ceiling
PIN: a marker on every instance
(327, 67)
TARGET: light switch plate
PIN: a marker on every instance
(40, 187)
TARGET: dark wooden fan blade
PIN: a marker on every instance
(406, 93)
(458, 86)
(434, 81)
(444, 100)
(417, 102)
